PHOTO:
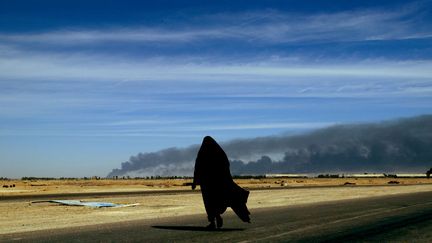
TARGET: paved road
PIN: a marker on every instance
(404, 217)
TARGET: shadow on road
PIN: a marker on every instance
(195, 228)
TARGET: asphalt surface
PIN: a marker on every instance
(403, 217)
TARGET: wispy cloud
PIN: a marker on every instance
(36, 84)
(23, 65)
(266, 26)
(65, 72)
(269, 125)
(162, 129)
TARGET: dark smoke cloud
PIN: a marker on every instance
(171, 161)
(397, 145)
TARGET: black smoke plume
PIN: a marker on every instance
(392, 146)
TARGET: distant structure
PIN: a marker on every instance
(366, 175)
(383, 175)
(359, 175)
(420, 175)
(286, 176)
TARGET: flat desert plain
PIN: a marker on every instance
(20, 215)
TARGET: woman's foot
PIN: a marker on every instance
(211, 226)
(219, 221)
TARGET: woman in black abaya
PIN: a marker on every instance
(218, 189)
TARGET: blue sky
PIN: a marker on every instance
(86, 84)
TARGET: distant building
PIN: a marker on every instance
(420, 175)
(286, 175)
(366, 175)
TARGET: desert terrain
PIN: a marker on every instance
(41, 187)
(20, 215)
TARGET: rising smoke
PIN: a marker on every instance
(399, 145)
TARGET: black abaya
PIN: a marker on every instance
(218, 189)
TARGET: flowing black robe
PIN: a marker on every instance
(218, 189)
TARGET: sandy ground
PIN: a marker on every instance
(21, 216)
(38, 187)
